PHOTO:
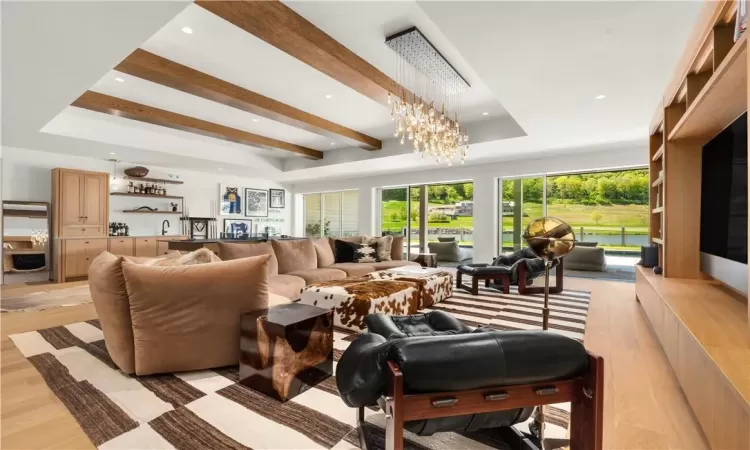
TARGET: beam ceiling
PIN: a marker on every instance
(154, 68)
(107, 104)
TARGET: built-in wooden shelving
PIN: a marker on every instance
(128, 194)
(658, 210)
(659, 241)
(152, 180)
(658, 181)
(659, 153)
(132, 211)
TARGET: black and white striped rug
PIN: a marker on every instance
(209, 409)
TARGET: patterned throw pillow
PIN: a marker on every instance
(384, 246)
(364, 253)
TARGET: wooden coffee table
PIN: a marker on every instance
(286, 349)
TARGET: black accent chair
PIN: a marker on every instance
(431, 373)
(518, 269)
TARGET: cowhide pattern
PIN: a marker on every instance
(352, 299)
(432, 289)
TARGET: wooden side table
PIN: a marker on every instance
(286, 349)
(426, 259)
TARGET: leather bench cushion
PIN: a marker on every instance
(229, 251)
(383, 265)
(433, 323)
(353, 269)
(287, 286)
(319, 275)
(187, 317)
(295, 254)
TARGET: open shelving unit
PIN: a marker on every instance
(133, 211)
(702, 326)
(128, 194)
(152, 180)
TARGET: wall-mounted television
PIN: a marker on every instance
(724, 206)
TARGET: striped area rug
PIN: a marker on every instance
(209, 409)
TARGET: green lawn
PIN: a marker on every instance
(602, 219)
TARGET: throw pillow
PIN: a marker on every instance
(295, 254)
(384, 246)
(344, 251)
(364, 253)
(324, 252)
(187, 317)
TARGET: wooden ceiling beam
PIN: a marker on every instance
(278, 25)
(107, 104)
(154, 68)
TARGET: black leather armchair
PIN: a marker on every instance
(409, 359)
(518, 269)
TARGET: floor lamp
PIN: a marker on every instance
(549, 238)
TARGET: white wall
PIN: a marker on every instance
(26, 175)
(485, 178)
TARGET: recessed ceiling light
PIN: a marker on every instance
(600, 96)
(255, 120)
(329, 96)
(333, 143)
(219, 168)
(121, 80)
(485, 113)
(187, 30)
(111, 153)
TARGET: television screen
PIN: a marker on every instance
(724, 194)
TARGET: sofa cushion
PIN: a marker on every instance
(397, 248)
(200, 256)
(275, 300)
(288, 286)
(384, 244)
(324, 251)
(110, 298)
(295, 254)
(383, 265)
(319, 275)
(187, 317)
(446, 238)
(228, 251)
(353, 269)
(586, 258)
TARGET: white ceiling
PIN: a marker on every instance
(542, 62)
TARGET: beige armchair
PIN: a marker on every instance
(159, 318)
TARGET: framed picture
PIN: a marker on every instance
(238, 227)
(230, 200)
(277, 198)
(256, 202)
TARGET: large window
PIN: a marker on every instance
(609, 208)
(331, 214)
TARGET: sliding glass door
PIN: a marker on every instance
(522, 202)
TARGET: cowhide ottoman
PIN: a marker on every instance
(351, 299)
(434, 285)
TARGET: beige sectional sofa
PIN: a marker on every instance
(296, 263)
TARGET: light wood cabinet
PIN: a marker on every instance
(162, 248)
(80, 203)
(145, 247)
(77, 255)
(122, 246)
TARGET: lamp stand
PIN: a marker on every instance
(537, 426)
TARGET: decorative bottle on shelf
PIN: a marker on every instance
(140, 189)
(164, 190)
(130, 187)
(127, 230)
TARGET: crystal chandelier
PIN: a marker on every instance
(428, 113)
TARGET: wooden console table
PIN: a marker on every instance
(704, 333)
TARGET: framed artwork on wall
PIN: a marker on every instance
(256, 202)
(230, 200)
(277, 198)
(238, 227)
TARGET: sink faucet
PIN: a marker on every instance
(164, 230)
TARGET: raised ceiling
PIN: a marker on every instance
(309, 105)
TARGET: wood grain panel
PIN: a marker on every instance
(278, 25)
(154, 68)
(107, 104)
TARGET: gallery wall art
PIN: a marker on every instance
(256, 202)
(230, 200)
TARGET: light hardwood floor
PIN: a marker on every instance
(644, 407)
